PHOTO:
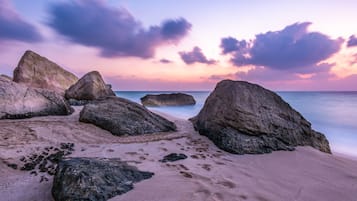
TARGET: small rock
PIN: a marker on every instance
(173, 157)
(28, 166)
(12, 165)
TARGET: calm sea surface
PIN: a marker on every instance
(332, 113)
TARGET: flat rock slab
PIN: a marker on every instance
(123, 117)
(173, 99)
(94, 179)
(244, 118)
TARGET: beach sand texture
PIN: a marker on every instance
(208, 174)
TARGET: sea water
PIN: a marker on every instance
(332, 113)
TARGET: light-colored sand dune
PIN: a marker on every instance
(208, 174)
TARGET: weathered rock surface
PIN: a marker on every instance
(123, 117)
(20, 101)
(93, 179)
(90, 87)
(174, 99)
(37, 71)
(6, 77)
(240, 117)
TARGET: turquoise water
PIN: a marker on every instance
(332, 113)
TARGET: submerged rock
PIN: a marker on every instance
(37, 71)
(19, 101)
(90, 87)
(174, 99)
(123, 117)
(173, 157)
(94, 179)
(244, 118)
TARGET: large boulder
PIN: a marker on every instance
(20, 101)
(241, 118)
(37, 71)
(90, 87)
(93, 179)
(124, 117)
(173, 99)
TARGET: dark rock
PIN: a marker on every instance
(43, 179)
(19, 101)
(12, 165)
(37, 71)
(173, 157)
(174, 99)
(90, 87)
(56, 157)
(93, 179)
(240, 117)
(75, 102)
(124, 117)
(67, 146)
(28, 166)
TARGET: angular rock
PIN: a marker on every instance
(93, 179)
(123, 117)
(20, 101)
(90, 87)
(37, 71)
(174, 99)
(244, 118)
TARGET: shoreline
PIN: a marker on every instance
(208, 174)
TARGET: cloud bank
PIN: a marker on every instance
(114, 31)
(291, 49)
(13, 27)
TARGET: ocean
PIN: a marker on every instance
(332, 113)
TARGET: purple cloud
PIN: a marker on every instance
(175, 29)
(196, 56)
(231, 44)
(13, 27)
(352, 41)
(165, 61)
(114, 31)
(293, 49)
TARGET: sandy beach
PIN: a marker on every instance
(208, 174)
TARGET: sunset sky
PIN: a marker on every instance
(189, 45)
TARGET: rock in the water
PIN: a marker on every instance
(20, 101)
(93, 179)
(174, 99)
(90, 87)
(173, 157)
(123, 117)
(241, 118)
(37, 71)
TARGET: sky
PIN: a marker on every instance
(189, 45)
